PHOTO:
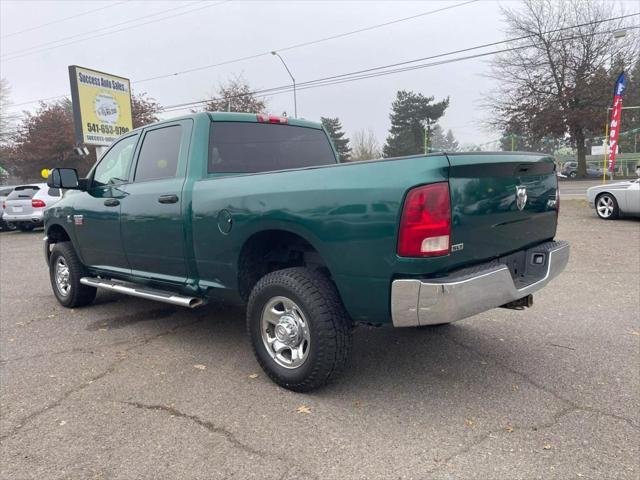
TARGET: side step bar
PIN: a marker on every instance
(142, 292)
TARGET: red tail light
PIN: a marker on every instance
(4, 205)
(38, 203)
(425, 226)
(271, 119)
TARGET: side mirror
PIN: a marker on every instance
(66, 178)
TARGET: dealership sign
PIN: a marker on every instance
(101, 105)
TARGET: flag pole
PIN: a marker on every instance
(606, 150)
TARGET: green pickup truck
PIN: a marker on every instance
(258, 209)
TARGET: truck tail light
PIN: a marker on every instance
(36, 203)
(425, 225)
(272, 119)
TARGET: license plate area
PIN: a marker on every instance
(526, 266)
(17, 209)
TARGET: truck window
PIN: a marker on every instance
(242, 147)
(114, 166)
(159, 154)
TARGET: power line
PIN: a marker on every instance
(62, 20)
(305, 44)
(367, 73)
(374, 72)
(290, 47)
(36, 49)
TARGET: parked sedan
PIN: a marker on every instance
(4, 193)
(26, 203)
(615, 199)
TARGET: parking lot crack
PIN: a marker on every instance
(569, 403)
(228, 435)
(78, 388)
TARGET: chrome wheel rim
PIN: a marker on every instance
(62, 277)
(285, 332)
(605, 206)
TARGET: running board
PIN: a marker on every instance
(141, 292)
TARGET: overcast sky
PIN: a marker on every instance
(163, 37)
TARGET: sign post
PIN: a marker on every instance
(101, 106)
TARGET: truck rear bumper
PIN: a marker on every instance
(467, 292)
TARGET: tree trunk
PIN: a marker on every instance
(582, 153)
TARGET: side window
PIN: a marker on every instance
(54, 192)
(159, 154)
(114, 166)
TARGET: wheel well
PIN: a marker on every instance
(272, 250)
(57, 234)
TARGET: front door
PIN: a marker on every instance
(96, 217)
(153, 231)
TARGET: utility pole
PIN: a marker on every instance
(295, 100)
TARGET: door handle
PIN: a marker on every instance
(111, 202)
(168, 199)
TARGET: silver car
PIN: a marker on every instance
(4, 193)
(25, 205)
(615, 199)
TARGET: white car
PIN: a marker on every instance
(25, 205)
(615, 199)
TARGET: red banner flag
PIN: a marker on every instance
(614, 126)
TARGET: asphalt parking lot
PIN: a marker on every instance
(129, 389)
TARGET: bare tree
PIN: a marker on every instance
(7, 119)
(236, 96)
(558, 81)
(365, 146)
(144, 110)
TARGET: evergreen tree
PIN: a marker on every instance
(334, 129)
(410, 114)
(450, 142)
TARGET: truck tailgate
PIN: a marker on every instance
(500, 203)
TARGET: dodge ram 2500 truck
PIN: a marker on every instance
(254, 208)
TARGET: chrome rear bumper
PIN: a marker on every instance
(471, 291)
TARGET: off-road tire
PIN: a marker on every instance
(78, 295)
(329, 325)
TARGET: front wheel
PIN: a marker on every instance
(299, 329)
(65, 272)
(607, 206)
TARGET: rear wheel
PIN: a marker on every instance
(607, 206)
(573, 175)
(65, 272)
(299, 329)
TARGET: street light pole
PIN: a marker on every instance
(295, 100)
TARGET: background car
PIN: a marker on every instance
(25, 205)
(570, 169)
(615, 199)
(4, 193)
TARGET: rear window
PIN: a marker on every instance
(22, 193)
(237, 147)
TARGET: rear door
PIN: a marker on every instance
(501, 203)
(153, 231)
